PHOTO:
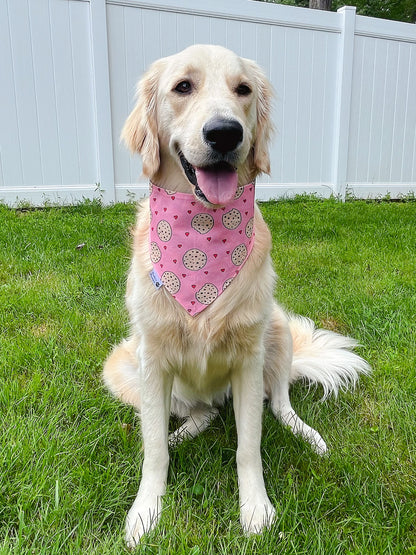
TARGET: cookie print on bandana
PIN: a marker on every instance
(198, 251)
(202, 223)
(164, 231)
(249, 227)
(171, 282)
(155, 254)
(207, 294)
(194, 259)
(239, 192)
(231, 219)
(227, 283)
(239, 255)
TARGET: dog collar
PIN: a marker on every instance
(196, 251)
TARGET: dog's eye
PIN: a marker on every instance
(184, 87)
(243, 90)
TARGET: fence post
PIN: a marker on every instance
(343, 101)
(104, 140)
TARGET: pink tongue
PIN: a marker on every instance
(218, 185)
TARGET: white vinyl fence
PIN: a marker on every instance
(345, 107)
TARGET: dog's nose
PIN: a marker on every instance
(223, 135)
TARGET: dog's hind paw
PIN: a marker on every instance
(318, 444)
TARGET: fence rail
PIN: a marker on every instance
(345, 108)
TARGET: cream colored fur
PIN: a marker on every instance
(175, 363)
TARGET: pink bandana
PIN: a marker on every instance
(197, 251)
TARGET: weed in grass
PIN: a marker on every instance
(70, 455)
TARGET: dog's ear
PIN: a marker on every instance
(264, 127)
(140, 130)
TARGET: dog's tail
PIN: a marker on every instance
(324, 357)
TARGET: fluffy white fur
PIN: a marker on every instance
(243, 342)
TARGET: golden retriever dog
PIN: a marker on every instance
(202, 127)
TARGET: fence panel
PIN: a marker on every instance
(48, 125)
(382, 141)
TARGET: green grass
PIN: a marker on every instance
(70, 455)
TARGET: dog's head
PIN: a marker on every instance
(202, 123)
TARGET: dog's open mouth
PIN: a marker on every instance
(216, 184)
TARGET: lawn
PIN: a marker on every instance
(70, 455)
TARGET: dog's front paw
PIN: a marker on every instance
(254, 517)
(142, 517)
